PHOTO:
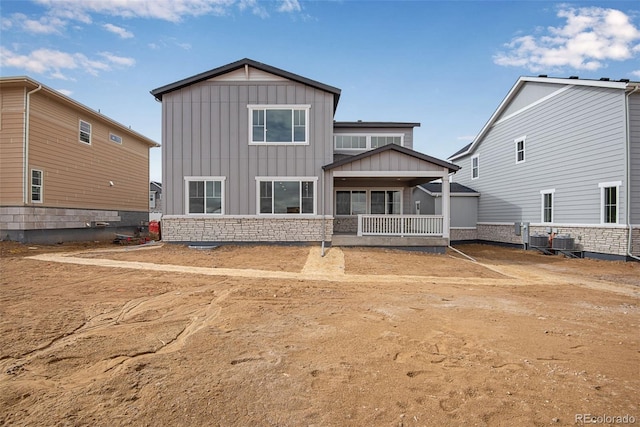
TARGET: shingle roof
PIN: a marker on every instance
(454, 187)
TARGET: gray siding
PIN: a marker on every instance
(634, 126)
(529, 94)
(464, 209)
(206, 134)
(389, 161)
(574, 141)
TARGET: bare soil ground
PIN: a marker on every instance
(165, 335)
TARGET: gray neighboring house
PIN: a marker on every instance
(155, 200)
(560, 155)
(252, 154)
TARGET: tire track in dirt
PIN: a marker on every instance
(126, 316)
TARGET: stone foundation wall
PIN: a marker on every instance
(245, 229)
(32, 218)
(605, 240)
(635, 242)
(458, 234)
(345, 225)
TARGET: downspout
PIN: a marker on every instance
(628, 177)
(323, 215)
(25, 151)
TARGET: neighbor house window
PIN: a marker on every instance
(387, 202)
(286, 195)
(204, 195)
(351, 202)
(475, 167)
(85, 132)
(279, 124)
(36, 185)
(152, 199)
(365, 141)
(547, 205)
(115, 138)
(520, 150)
(610, 201)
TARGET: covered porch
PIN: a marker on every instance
(372, 199)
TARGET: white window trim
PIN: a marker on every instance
(305, 107)
(368, 137)
(41, 186)
(602, 186)
(300, 179)
(188, 179)
(477, 156)
(80, 132)
(368, 198)
(522, 139)
(551, 191)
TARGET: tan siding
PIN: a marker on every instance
(11, 145)
(77, 175)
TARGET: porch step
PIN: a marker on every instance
(395, 241)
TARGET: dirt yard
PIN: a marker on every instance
(166, 335)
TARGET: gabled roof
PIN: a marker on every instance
(246, 62)
(361, 124)
(31, 84)
(397, 148)
(435, 188)
(571, 81)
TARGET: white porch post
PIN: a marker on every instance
(446, 204)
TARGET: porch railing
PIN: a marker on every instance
(400, 225)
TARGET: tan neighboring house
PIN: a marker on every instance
(67, 172)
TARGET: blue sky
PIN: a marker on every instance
(445, 64)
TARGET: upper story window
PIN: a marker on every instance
(85, 132)
(279, 124)
(520, 150)
(475, 167)
(115, 138)
(609, 201)
(204, 195)
(365, 141)
(36, 185)
(286, 195)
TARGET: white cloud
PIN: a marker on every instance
(66, 92)
(290, 6)
(168, 10)
(254, 6)
(123, 33)
(44, 25)
(55, 63)
(636, 73)
(590, 37)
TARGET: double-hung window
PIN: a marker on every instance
(279, 124)
(85, 132)
(609, 201)
(547, 205)
(286, 195)
(36, 185)
(520, 150)
(475, 167)
(351, 202)
(204, 195)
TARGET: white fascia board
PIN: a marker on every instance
(388, 174)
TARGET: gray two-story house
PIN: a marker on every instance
(251, 153)
(560, 157)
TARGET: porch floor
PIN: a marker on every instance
(391, 241)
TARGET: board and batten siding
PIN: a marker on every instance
(11, 145)
(634, 127)
(574, 141)
(206, 133)
(78, 175)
